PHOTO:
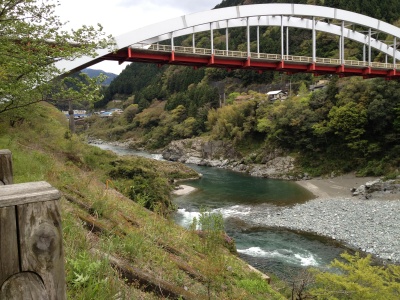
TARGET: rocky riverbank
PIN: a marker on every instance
(363, 213)
(222, 154)
(183, 190)
(371, 226)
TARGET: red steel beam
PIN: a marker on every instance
(245, 63)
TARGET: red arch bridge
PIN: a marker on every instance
(143, 45)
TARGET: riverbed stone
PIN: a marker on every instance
(371, 226)
(222, 154)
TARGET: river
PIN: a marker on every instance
(244, 201)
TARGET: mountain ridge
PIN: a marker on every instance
(96, 72)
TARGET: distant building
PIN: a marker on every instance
(277, 95)
(110, 112)
(78, 113)
(116, 111)
(106, 114)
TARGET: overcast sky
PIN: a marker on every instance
(121, 16)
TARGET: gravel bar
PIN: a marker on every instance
(372, 226)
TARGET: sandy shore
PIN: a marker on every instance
(183, 190)
(334, 187)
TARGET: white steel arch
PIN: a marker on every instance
(284, 15)
(276, 21)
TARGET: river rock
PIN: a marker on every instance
(277, 167)
(376, 188)
(199, 150)
(370, 226)
(222, 154)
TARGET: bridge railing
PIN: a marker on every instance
(265, 56)
(155, 47)
(356, 63)
(328, 61)
(296, 58)
(382, 65)
(229, 53)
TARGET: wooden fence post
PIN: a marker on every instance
(6, 171)
(31, 250)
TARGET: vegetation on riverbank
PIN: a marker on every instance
(351, 125)
(116, 248)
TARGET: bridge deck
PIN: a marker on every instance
(202, 57)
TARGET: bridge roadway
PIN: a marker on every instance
(202, 57)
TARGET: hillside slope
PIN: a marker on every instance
(115, 248)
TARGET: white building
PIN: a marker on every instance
(276, 95)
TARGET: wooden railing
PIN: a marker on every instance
(264, 56)
(31, 249)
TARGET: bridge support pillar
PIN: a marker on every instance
(394, 52)
(369, 47)
(287, 40)
(282, 39)
(314, 42)
(247, 63)
(211, 60)
(193, 42)
(227, 36)
(391, 73)
(248, 37)
(212, 38)
(258, 41)
(341, 44)
(340, 69)
(366, 73)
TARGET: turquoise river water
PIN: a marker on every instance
(243, 201)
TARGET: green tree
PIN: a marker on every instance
(348, 121)
(357, 279)
(233, 122)
(32, 39)
(130, 112)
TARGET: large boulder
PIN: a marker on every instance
(377, 188)
(278, 167)
(222, 154)
(200, 151)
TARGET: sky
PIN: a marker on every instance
(121, 16)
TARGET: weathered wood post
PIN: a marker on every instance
(31, 251)
(6, 172)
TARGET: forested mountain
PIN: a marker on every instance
(94, 73)
(353, 124)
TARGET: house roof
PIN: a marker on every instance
(274, 92)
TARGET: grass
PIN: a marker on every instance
(114, 247)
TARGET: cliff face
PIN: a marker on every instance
(199, 151)
(223, 155)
